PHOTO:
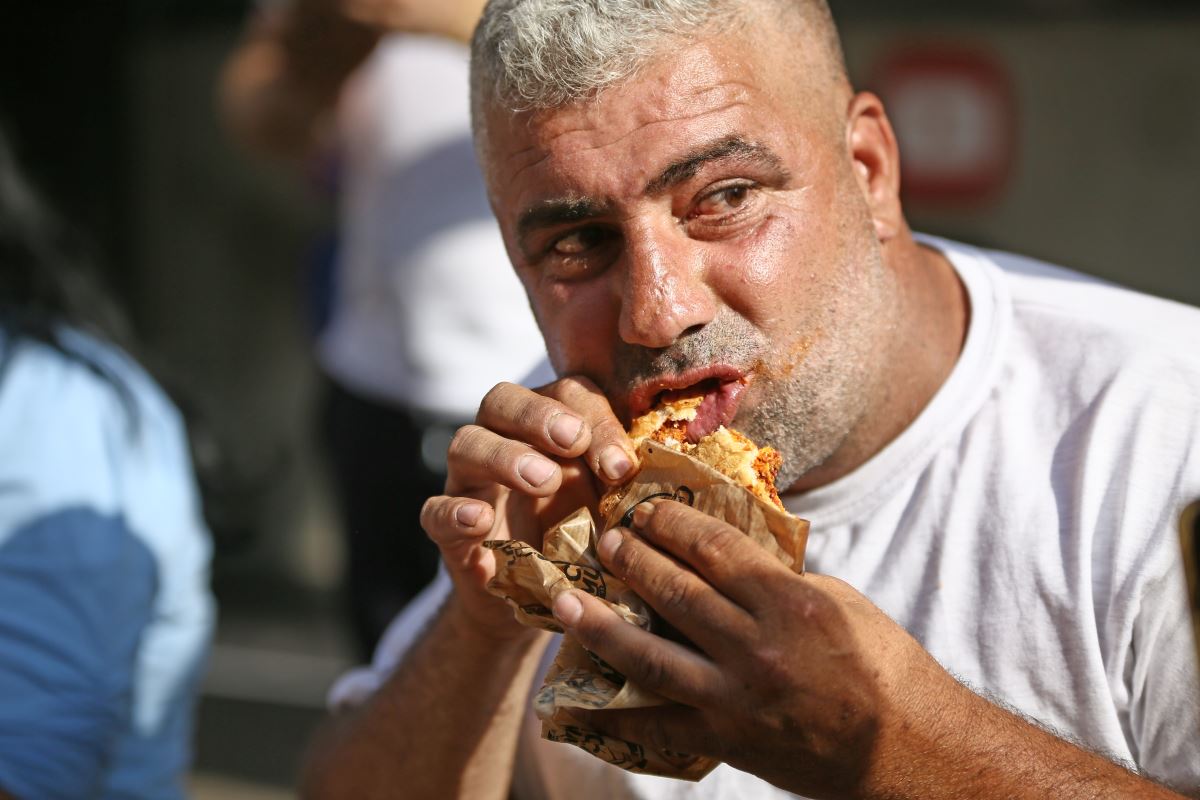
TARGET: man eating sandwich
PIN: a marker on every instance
(991, 452)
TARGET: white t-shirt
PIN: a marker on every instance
(427, 311)
(1022, 529)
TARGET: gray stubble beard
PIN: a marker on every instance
(808, 413)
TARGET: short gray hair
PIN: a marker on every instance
(536, 54)
(546, 53)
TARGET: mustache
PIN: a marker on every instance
(728, 339)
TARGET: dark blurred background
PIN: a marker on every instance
(1064, 129)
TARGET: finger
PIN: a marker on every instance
(677, 729)
(544, 423)
(652, 662)
(454, 522)
(479, 458)
(458, 525)
(725, 556)
(610, 453)
(681, 597)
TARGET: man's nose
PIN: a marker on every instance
(664, 293)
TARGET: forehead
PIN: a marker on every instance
(612, 144)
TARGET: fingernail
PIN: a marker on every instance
(468, 514)
(535, 469)
(614, 463)
(641, 514)
(565, 429)
(567, 608)
(608, 545)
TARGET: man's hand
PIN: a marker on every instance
(803, 682)
(797, 679)
(530, 459)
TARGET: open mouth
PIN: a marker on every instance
(719, 399)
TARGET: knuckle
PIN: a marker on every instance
(533, 415)
(772, 666)
(556, 390)
(675, 592)
(811, 607)
(583, 397)
(652, 668)
(711, 548)
(429, 512)
(480, 446)
(494, 457)
(607, 429)
(674, 515)
(463, 440)
(593, 633)
(436, 517)
(654, 733)
(572, 386)
(496, 397)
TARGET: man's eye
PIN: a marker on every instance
(723, 201)
(576, 242)
(579, 254)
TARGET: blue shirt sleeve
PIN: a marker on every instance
(76, 592)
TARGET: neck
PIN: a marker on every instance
(933, 317)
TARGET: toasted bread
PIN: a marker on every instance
(725, 450)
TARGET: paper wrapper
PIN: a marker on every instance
(529, 581)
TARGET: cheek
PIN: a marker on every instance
(770, 259)
(578, 322)
(759, 276)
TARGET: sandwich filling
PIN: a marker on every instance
(679, 423)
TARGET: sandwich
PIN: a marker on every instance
(684, 458)
(725, 450)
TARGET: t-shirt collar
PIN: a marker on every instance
(947, 413)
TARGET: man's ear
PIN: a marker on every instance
(872, 146)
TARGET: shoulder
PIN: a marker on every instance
(94, 378)
(91, 431)
(1124, 359)
(1101, 385)
(1049, 299)
(1114, 374)
(1074, 344)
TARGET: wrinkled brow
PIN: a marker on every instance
(729, 148)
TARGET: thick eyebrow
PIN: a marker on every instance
(559, 211)
(550, 213)
(730, 148)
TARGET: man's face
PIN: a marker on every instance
(701, 226)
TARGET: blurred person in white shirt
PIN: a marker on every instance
(424, 317)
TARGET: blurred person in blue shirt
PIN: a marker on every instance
(105, 609)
